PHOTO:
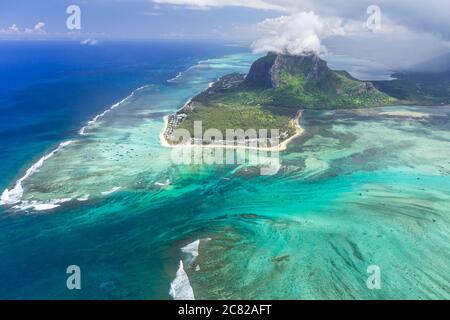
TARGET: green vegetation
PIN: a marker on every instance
(418, 88)
(240, 111)
(275, 89)
(277, 86)
(337, 91)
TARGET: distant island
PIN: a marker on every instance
(272, 96)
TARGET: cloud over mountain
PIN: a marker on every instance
(299, 33)
(417, 16)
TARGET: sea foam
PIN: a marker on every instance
(180, 74)
(192, 250)
(199, 64)
(40, 206)
(175, 78)
(14, 196)
(82, 131)
(163, 184)
(83, 198)
(105, 193)
(180, 288)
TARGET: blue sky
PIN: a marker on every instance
(210, 18)
(410, 30)
(133, 19)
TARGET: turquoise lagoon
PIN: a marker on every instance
(358, 188)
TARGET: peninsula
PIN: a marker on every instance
(271, 98)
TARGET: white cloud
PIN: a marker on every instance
(300, 33)
(89, 42)
(416, 16)
(11, 30)
(207, 4)
(14, 29)
(38, 29)
(39, 26)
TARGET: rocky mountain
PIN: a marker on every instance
(306, 81)
(267, 72)
(272, 93)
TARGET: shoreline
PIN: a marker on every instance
(299, 130)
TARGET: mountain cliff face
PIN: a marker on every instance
(271, 94)
(267, 72)
(306, 81)
(288, 83)
(260, 74)
(312, 67)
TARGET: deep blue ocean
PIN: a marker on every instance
(359, 188)
(48, 89)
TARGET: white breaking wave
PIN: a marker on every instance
(105, 193)
(180, 288)
(198, 64)
(192, 249)
(180, 74)
(84, 198)
(205, 61)
(13, 196)
(82, 131)
(175, 78)
(163, 184)
(40, 206)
